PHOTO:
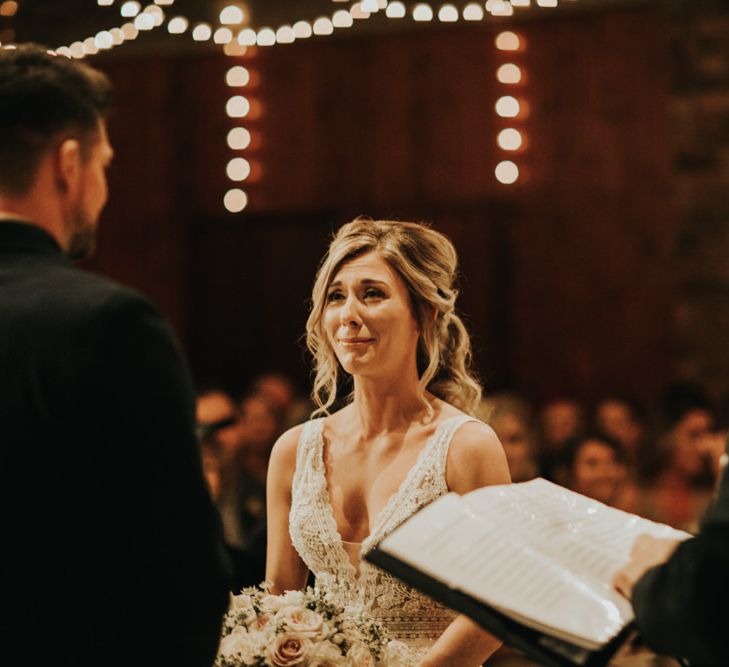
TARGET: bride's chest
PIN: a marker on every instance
(361, 485)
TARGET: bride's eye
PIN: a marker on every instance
(373, 293)
(334, 295)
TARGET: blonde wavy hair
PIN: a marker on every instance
(427, 262)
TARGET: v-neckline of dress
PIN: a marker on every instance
(388, 508)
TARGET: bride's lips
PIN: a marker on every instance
(355, 342)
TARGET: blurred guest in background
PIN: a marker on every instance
(560, 420)
(289, 407)
(510, 417)
(683, 488)
(595, 467)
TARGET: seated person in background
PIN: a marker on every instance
(560, 420)
(511, 418)
(683, 488)
(595, 468)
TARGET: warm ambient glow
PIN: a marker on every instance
(395, 10)
(238, 169)
(447, 14)
(164, 2)
(90, 47)
(239, 138)
(422, 13)
(506, 172)
(547, 3)
(509, 73)
(130, 9)
(177, 25)
(508, 41)
(8, 8)
(117, 36)
(509, 139)
(77, 50)
(105, 3)
(235, 200)
(232, 15)
(370, 6)
(507, 107)
(473, 12)
(237, 107)
(520, 3)
(237, 76)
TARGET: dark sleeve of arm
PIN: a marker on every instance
(173, 571)
(682, 606)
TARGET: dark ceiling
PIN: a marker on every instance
(59, 22)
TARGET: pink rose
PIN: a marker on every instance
(289, 650)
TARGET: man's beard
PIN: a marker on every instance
(82, 239)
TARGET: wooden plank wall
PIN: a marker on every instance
(566, 280)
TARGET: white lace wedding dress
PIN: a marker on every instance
(406, 614)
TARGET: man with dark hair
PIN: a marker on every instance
(112, 552)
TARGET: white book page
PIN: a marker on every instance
(535, 551)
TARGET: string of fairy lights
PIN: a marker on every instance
(236, 36)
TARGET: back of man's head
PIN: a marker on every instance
(44, 99)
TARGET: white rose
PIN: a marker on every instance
(397, 654)
(241, 603)
(238, 645)
(293, 598)
(272, 603)
(305, 622)
(325, 654)
(359, 656)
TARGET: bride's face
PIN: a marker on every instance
(368, 318)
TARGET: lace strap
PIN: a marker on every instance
(440, 454)
(306, 450)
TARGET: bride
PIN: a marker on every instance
(383, 319)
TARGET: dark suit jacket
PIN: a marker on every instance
(682, 606)
(111, 548)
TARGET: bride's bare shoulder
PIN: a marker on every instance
(476, 458)
(283, 454)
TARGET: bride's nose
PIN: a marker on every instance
(349, 312)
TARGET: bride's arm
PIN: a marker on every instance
(475, 459)
(284, 568)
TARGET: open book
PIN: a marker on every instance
(531, 562)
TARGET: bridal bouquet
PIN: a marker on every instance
(300, 628)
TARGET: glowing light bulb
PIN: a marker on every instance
(507, 172)
(235, 200)
(422, 12)
(473, 12)
(395, 10)
(509, 139)
(237, 107)
(266, 37)
(342, 19)
(285, 35)
(447, 14)
(323, 26)
(247, 37)
(508, 107)
(238, 169)
(177, 25)
(103, 40)
(202, 32)
(302, 30)
(223, 36)
(507, 41)
(509, 74)
(232, 15)
(237, 76)
(130, 9)
(239, 138)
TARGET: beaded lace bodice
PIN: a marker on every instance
(407, 614)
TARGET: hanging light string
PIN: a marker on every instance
(153, 16)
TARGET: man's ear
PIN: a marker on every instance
(68, 165)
